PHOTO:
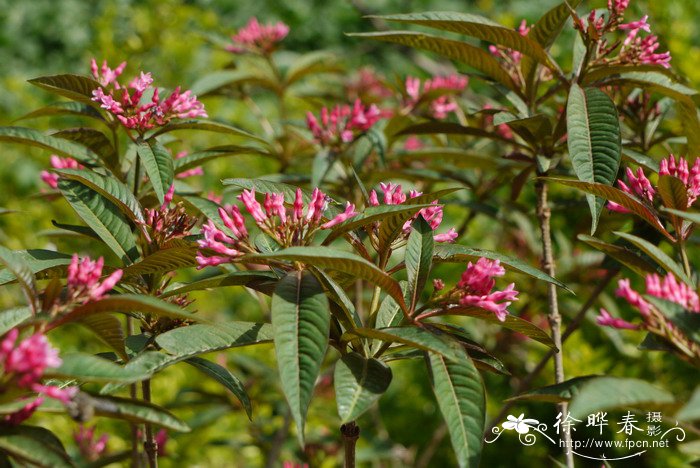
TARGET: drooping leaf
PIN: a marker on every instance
(110, 188)
(415, 337)
(604, 393)
(109, 329)
(673, 192)
(350, 318)
(616, 195)
(202, 338)
(594, 140)
(692, 217)
(654, 80)
(27, 446)
(461, 254)
(622, 254)
(691, 410)
(688, 115)
(164, 260)
(311, 63)
(212, 82)
(88, 368)
(326, 257)
(301, 323)
(359, 382)
(463, 52)
(459, 391)
(64, 108)
(452, 128)
(225, 378)
(76, 87)
(659, 256)
(252, 279)
(202, 157)
(11, 318)
(556, 393)
(158, 162)
(134, 411)
(418, 258)
(93, 139)
(206, 126)
(31, 137)
(21, 270)
(43, 264)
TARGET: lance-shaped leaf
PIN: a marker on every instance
(685, 321)
(616, 195)
(172, 259)
(212, 82)
(93, 139)
(414, 337)
(622, 254)
(34, 446)
(349, 317)
(301, 323)
(31, 137)
(332, 259)
(657, 81)
(158, 163)
(11, 318)
(604, 393)
(225, 378)
(673, 192)
(206, 126)
(659, 256)
(64, 108)
(459, 392)
(258, 280)
(202, 338)
(201, 157)
(594, 140)
(688, 115)
(43, 264)
(134, 411)
(475, 26)
(110, 188)
(556, 393)
(511, 322)
(691, 410)
(76, 87)
(418, 258)
(88, 368)
(109, 329)
(128, 304)
(692, 217)
(312, 63)
(452, 128)
(102, 216)
(461, 254)
(20, 269)
(463, 52)
(359, 382)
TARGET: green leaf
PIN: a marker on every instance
(654, 81)
(415, 337)
(88, 368)
(202, 157)
(158, 164)
(28, 446)
(102, 216)
(616, 195)
(454, 253)
(109, 187)
(164, 260)
(512, 323)
(459, 392)
(134, 411)
(604, 393)
(109, 329)
(418, 258)
(452, 128)
(212, 82)
(93, 139)
(687, 322)
(20, 269)
(691, 410)
(692, 217)
(640, 159)
(349, 317)
(594, 140)
(251, 279)
(225, 378)
(206, 126)
(75, 87)
(659, 256)
(547, 28)
(688, 115)
(11, 318)
(556, 393)
(128, 303)
(622, 254)
(463, 52)
(65, 108)
(43, 264)
(31, 137)
(359, 382)
(301, 324)
(673, 192)
(202, 338)
(332, 259)
(475, 26)
(311, 63)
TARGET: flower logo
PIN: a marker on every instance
(520, 424)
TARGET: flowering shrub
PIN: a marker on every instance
(344, 248)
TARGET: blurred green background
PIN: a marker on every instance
(178, 41)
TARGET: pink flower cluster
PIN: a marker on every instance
(23, 365)
(165, 223)
(90, 448)
(367, 86)
(394, 195)
(84, 283)
(258, 38)
(639, 185)
(288, 226)
(440, 106)
(510, 58)
(668, 288)
(132, 107)
(637, 50)
(342, 124)
(476, 288)
(50, 178)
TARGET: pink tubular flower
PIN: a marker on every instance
(161, 439)
(607, 320)
(342, 217)
(127, 105)
(440, 105)
(413, 143)
(367, 85)
(50, 178)
(689, 176)
(618, 6)
(394, 195)
(195, 171)
(667, 288)
(476, 288)
(257, 38)
(90, 449)
(639, 185)
(84, 283)
(342, 124)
